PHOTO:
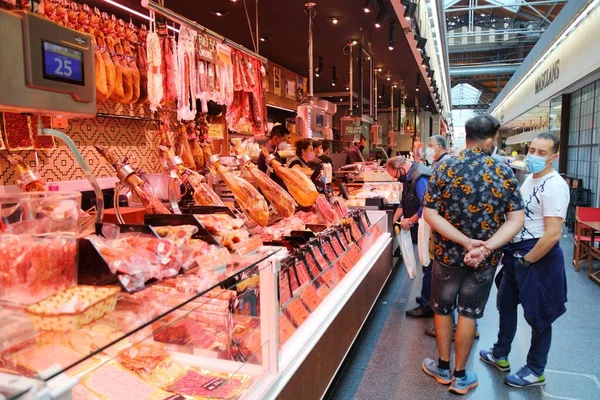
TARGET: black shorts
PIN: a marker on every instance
(472, 286)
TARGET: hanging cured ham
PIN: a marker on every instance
(135, 183)
(251, 202)
(142, 63)
(277, 196)
(186, 150)
(203, 194)
(29, 181)
(301, 188)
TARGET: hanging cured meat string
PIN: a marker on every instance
(142, 63)
(187, 80)
(155, 84)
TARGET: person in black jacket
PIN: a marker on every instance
(305, 158)
(279, 134)
(322, 151)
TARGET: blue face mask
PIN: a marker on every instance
(535, 163)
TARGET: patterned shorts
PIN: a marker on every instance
(471, 286)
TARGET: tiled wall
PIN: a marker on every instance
(132, 138)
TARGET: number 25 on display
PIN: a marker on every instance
(63, 67)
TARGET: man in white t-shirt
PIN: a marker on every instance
(534, 267)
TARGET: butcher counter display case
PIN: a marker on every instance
(257, 332)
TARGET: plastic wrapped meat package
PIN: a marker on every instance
(325, 211)
(246, 339)
(279, 229)
(206, 384)
(114, 382)
(35, 267)
(35, 361)
(141, 257)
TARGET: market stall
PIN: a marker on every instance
(142, 252)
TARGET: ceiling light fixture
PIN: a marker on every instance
(367, 6)
(409, 10)
(392, 35)
(353, 42)
(379, 69)
(334, 76)
(388, 78)
(335, 20)
(219, 13)
(265, 38)
(381, 16)
(319, 69)
(347, 88)
(134, 12)
(418, 82)
(421, 41)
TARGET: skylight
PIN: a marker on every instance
(465, 94)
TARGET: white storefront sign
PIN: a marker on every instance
(574, 58)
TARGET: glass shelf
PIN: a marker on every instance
(46, 354)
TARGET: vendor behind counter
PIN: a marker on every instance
(306, 158)
(279, 135)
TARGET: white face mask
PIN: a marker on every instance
(429, 154)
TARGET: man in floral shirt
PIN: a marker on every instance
(474, 207)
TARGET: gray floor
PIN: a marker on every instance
(385, 362)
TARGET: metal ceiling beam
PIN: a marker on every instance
(539, 13)
(502, 46)
(471, 107)
(506, 6)
(498, 33)
(487, 70)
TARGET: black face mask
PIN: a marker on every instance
(361, 148)
(402, 177)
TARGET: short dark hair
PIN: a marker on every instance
(317, 144)
(279, 131)
(326, 145)
(439, 140)
(550, 136)
(481, 127)
(302, 144)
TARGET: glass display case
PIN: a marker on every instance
(241, 333)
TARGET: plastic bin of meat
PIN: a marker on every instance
(38, 244)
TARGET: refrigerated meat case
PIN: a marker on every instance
(243, 336)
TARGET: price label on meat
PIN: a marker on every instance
(62, 63)
(207, 48)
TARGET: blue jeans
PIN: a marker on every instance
(507, 302)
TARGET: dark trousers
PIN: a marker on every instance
(423, 300)
(507, 302)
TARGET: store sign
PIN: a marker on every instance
(207, 48)
(216, 131)
(551, 74)
(551, 77)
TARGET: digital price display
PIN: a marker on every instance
(63, 64)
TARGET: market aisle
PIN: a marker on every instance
(386, 360)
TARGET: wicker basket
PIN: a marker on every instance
(45, 315)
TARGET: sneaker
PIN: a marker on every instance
(463, 385)
(487, 356)
(525, 378)
(442, 376)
